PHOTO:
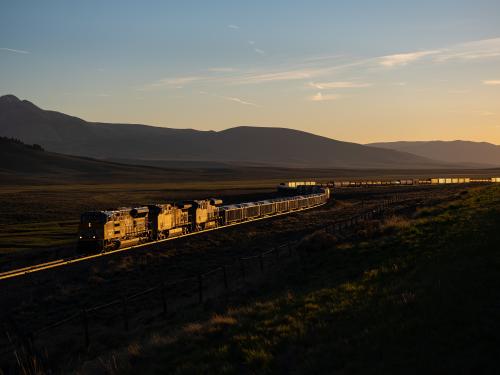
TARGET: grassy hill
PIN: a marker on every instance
(417, 293)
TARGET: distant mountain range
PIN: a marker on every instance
(249, 146)
(27, 164)
(244, 145)
(481, 153)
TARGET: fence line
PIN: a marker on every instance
(241, 264)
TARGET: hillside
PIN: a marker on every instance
(255, 145)
(418, 290)
(483, 153)
(23, 163)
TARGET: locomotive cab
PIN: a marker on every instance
(91, 231)
(109, 230)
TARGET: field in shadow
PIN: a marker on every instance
(415, 293)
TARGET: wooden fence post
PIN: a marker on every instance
(125, 313)
(224, 274)
(200, 289)
(85, 323)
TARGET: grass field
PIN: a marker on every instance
(40, 222)
(419, 295)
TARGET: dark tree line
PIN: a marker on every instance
(34, 146)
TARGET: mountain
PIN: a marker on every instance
(62, 133)
(20, 163)
(23, 163)
(482, 153)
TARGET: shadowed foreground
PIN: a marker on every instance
(422, 296)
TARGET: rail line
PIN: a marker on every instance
(357, 183)
(64, 262)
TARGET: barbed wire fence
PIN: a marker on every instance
(164, 300)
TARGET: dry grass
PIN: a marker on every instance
(395, 223)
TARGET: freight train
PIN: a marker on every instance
(101, 231)
(399, 182)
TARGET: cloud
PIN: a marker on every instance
(251, 42)
(338, 85)
(14, 50)
(475, 50)
(230, 98)
(402, 59)
(174, 82)
(479, 49)
(319, 97)
(259, 51)
(238, 100)
(316, 68)
(286, 75)
(486, 113)
(492, 82)
(234, 27)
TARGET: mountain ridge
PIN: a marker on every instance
(67, 134)
(457, 151)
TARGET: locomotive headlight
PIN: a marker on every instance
(93, 236)
(80, 237)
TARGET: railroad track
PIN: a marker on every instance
(65, 262)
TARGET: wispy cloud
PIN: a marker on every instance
(492, 82)
(232, 26)
(475, 50)
(404, 58)
(320, 69)
(14, 50)
(479, 49)
(173, 82)
(230, 98)
(319, 97)
(338, 85)
(259, 51)
(240, 101)
(251, 42)
(286, 75)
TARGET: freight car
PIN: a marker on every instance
(101, 231)
(407, 182)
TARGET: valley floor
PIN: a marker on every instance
(415, 293)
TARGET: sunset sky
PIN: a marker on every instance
(361, 71)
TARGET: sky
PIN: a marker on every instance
(360, 71)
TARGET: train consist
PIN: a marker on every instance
(427, 181)
(110, 230)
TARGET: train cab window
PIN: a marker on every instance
(117, 224)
